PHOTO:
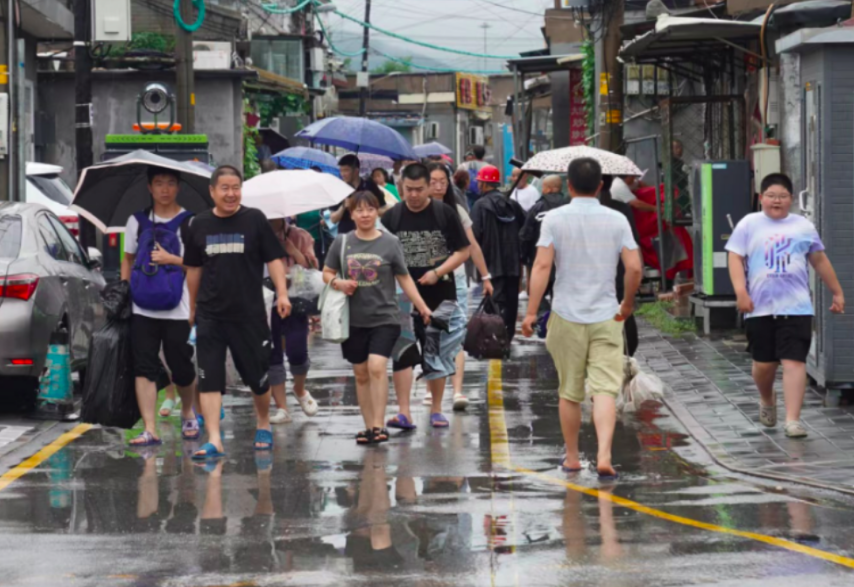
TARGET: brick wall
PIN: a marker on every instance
(157, 16)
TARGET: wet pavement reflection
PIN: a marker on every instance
(432, 507)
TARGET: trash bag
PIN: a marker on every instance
(109, 394)
(639, 387)
(487, 334)
(407, 328)
(305, 288)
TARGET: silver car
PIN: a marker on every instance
(47, 284)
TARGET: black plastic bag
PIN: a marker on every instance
(109, 394)
(487, 334)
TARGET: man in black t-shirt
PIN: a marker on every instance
(434, 245)
(349, 166)
(225, 252)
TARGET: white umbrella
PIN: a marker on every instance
(558, 160)
(282, 194)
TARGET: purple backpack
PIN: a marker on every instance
(152, 286)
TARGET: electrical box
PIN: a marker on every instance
(209, 55)
(363, 79)
(766, 160)
(632, 77)
(317, 59)
(4, 125)
(111, 21)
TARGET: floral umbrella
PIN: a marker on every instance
(558, 160)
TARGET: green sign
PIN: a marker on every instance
(156, 139)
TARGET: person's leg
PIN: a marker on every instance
(295, 331)
(146, 340)
(605, 375)
(632, 338)
(403, 381)
(794, 388)
(567, 344)
(363, 393)
(179, 357)
(436, 387)
(763, 376)
(146, 398)
(211, 406)
(605, 421)
(211, 345)
(377, 368)
(457, 379)
(278, 376)
(570, 426)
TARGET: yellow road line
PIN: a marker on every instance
(501, 457)
(44, 454)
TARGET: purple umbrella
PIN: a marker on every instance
(368, 162)
(360, 135)
(433, 149)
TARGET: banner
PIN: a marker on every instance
(472, 91)
(577, 114)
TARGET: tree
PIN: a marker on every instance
(393, 66)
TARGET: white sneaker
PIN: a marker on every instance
(281, 416)
(461, 402)
(523, 296)
(795, 429)
(428, 399)
(307, 403)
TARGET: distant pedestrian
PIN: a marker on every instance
(382, 178)
(153, 264)
(349, 167)
(226, 251)
(526, 195)
(434, 245)
(472, 166)
(498, 221)
(769, 253)
(553, 197)
(372, 261)
(585, 332)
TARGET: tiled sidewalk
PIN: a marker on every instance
(712, 392)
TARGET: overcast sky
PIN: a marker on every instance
(514, 26)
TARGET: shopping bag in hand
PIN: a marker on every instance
(335, 308)
(487, 334)
(109, 395)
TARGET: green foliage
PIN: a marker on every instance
(271, 106)
(153, 41)
(658, 315)
(393, 66)
(588, 79)
(251, 166)
(347, 64)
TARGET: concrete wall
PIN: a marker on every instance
(218, 112)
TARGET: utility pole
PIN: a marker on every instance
(611, 103)
(366, 41)
(184, 69)
(83, 102)
(485, 26)
(6, 167)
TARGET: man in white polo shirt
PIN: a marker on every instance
(585, 332)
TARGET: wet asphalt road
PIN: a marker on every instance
(482, 503)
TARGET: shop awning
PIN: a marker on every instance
(674, 37)
(545, 63)
(269, 81)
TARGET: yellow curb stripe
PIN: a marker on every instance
(501, 457)
(44, 454)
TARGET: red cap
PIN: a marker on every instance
(489, 174)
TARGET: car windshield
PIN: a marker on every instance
(10, 236)
(53, 187)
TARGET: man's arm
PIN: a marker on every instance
(194, 280)
(336, 215)
(450, 265)
(127, 266)
(539, 282)
(641, 205)
(825, 270)
(631, 282)
(739, 283)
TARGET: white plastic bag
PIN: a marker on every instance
(641, 388)
(335, 308)
(305, 283)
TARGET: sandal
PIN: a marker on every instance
(307, 403)
(365, 437)
(166, 407)
(400, 422)
(147, 439)
(380, 434)
(190, 429)
(439, 421)
(207, 451)
(263, 437)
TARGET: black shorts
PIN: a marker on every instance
(249, 342)
(379, 340)
(410, 359)
(148, 335)
(771, 339)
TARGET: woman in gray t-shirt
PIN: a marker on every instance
(366, 271)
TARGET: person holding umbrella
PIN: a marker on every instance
(226, 250)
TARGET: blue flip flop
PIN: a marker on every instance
(401, 422)
(201, 419)
(263, 437)
(209, 451)
(566, 469)
(148, 440)
(606, 478)
(439, 421)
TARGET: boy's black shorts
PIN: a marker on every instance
(771, 339)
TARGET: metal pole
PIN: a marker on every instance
(184, 71)
(12, 180)
(658, 217)
(83, 102)
(366, 43)
(6, 190)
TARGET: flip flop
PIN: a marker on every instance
(201, 419)
(263, 437)
(190, 429)
(208, 451)
(401, 422)
(264, 462)
(439, 421)
(207, 466)
(566, 469)
(613, 477)
(166, 408)
(148, 440)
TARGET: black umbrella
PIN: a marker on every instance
(111, 192)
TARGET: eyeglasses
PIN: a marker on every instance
(777, 197)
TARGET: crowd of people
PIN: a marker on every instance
(404, 240)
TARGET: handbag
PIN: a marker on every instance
(334, 307)
(487, 334)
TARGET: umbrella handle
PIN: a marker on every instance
(146, 271)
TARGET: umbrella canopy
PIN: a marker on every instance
(111, 192)
(433, 149)
(369, 162)
(558, 160)
(282, 194)
(360, 135)
(306, 158)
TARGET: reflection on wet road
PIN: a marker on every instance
(482, 503)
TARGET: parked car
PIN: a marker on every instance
(47, 284)
(46, 187)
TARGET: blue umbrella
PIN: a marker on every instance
(433, 149)
(359, 135)
(306, 158)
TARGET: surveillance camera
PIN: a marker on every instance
(156, 98)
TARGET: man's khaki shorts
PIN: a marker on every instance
(594, 351)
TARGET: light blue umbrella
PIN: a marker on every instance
(360, 135)
(306, 158)
(433, 149)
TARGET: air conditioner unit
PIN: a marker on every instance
(475, 135)
(111, 21)
(211, 55)
(431, 131)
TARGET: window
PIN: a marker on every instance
(52, 244)
(10, 237)
(73, 250)
(53, 187)
(280, 56)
